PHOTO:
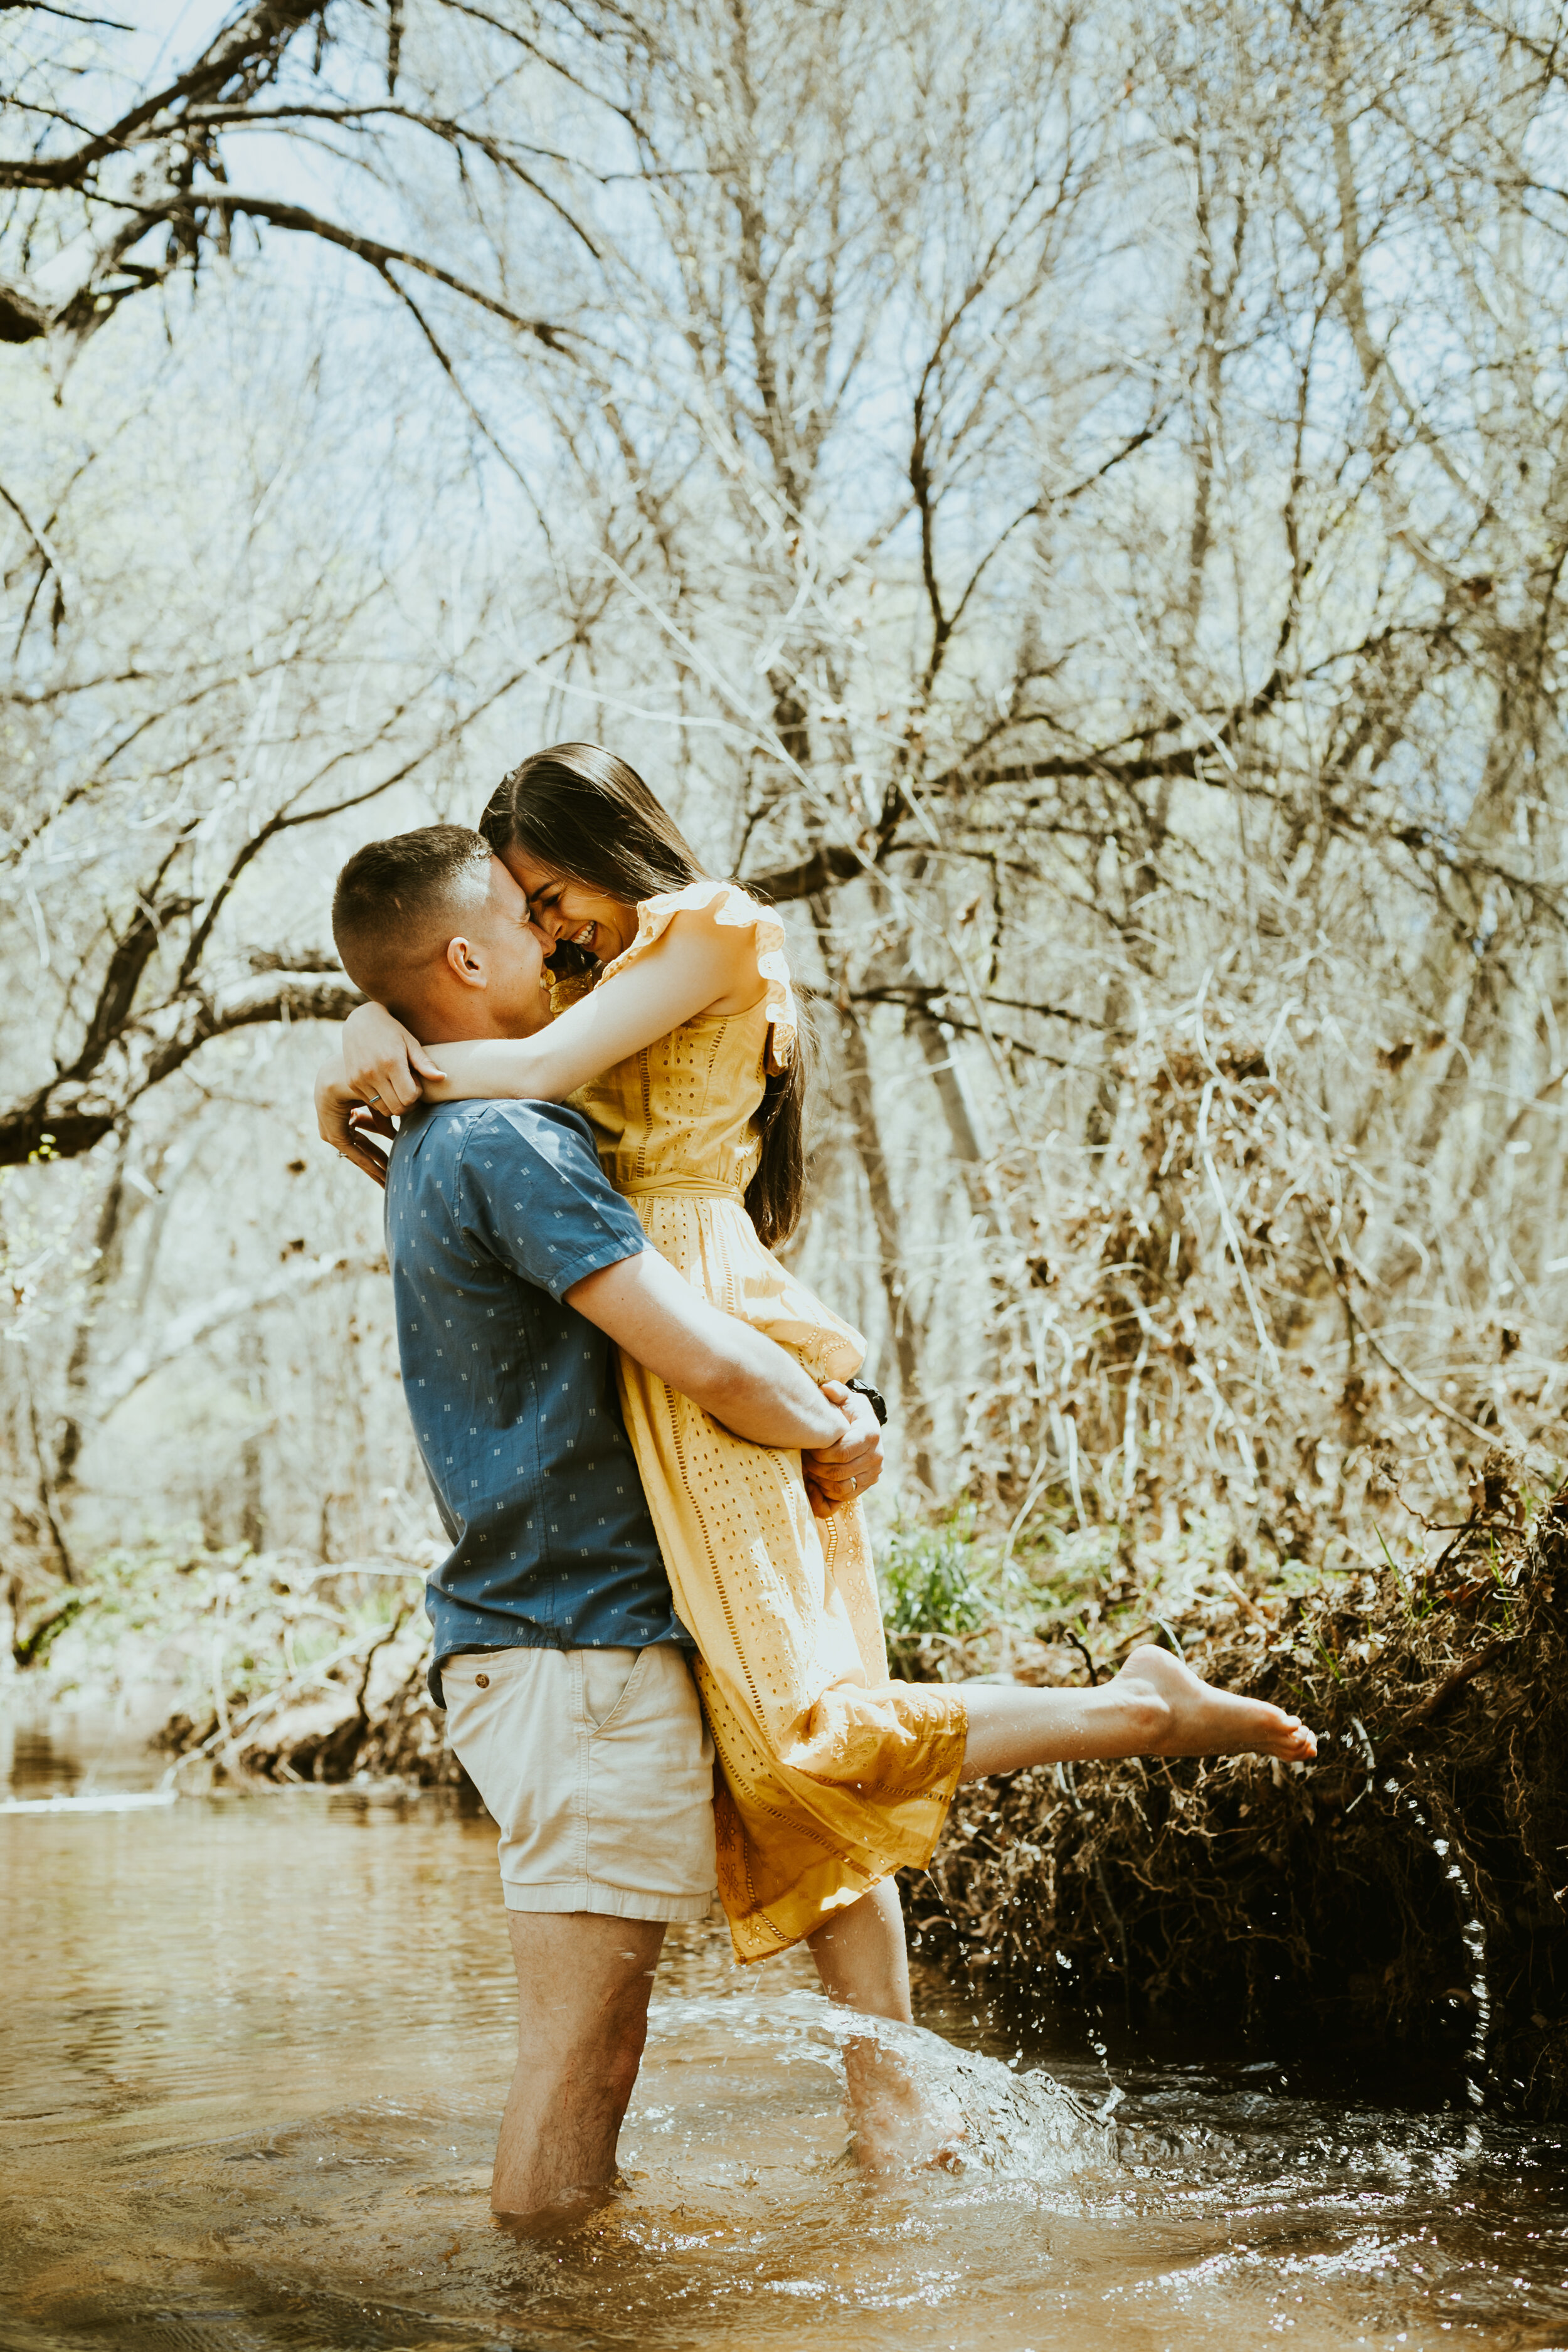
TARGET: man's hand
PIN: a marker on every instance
(842, 1473)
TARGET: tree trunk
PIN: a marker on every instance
(905, 1332)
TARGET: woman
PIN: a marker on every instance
(681, 1042)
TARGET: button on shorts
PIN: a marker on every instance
(597, 1767)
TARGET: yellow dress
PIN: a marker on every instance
(831, 1776)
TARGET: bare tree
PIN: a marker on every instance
(126, 177)
(1073, 505)
(1172, 658)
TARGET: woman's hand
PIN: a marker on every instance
(382, 1062)
(348, 1124)
(842, 1473)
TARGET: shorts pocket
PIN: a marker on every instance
(607, 1679)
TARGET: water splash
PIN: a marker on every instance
(1473, 1936)
(1018, 2125)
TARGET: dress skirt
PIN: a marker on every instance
(830, 1776)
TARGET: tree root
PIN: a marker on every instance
(1334, 1897)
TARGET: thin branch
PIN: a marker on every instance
(294, 218)
(139, 1365)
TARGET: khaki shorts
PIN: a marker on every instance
(597, 1767)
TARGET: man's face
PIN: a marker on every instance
(510, 950)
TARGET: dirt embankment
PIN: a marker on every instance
(365, 1712)
(1412, 1885)
(270, 1666)
(395, 1736)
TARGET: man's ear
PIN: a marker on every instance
(465, 964)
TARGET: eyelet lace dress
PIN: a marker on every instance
(831, 1776)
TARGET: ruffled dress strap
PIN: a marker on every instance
(730, 905)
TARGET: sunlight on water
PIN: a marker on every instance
(254, 2051)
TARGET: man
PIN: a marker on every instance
(559, 1658)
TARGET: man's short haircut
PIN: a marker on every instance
(399, 902)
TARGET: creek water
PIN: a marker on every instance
(253, 2049)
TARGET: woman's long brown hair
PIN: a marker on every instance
(590, 818)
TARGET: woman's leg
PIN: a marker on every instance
(863, 1963)
(861, 1957)
(1155, 1707)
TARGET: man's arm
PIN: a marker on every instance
(739, 1376)
(536, 1197)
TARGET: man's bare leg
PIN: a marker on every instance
(1155, 1707)
(582, 1986)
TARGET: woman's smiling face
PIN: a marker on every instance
(573, 910)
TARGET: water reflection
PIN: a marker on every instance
(254, 2050)
(36, 1767)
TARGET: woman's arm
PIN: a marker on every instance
(381, 1063)
(697, 964)
(347, 1123)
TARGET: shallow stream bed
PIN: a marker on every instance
(252, 2052)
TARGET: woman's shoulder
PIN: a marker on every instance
(733, 914)
(724, 908)
(728, 904)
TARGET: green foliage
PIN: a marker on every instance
(181, 1614)
(35, 1648)
(936, 1579)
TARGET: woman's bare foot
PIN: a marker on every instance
(898, 2125)
(1204, 1721)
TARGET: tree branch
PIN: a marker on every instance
(832, 863)
(42, 1127)
(222, 204)
(139, 1365)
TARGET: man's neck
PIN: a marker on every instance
(443, 1024)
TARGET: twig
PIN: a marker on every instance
(1247, 1601)
(371, 1655)
(1233, 1238)
(1082, 1646)
(1041, 1467)
(1474, 1429)
(1472, 1667)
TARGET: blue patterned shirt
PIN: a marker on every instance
(493, 1210)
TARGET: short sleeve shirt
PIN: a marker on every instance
(493, 1210)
